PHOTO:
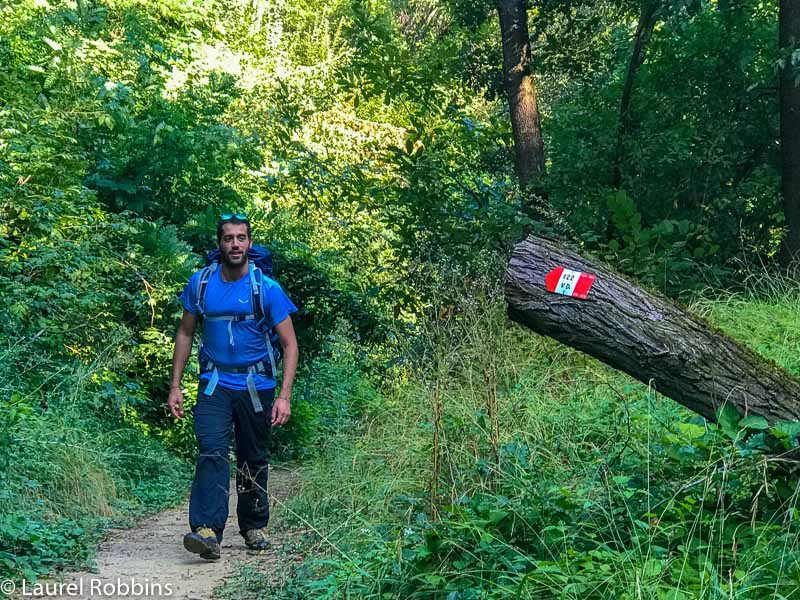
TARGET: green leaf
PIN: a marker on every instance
(652, 568)
(691, 430)
(754, 422)
(495, 516)
(787, 432)
(728, 420)
(545, 568)
(673, 594)
(434, 580)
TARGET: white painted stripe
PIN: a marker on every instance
(567, 282)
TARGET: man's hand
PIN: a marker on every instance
(175, 402)
(281, 411)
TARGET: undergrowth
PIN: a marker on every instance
(72, 463)
(505, 465)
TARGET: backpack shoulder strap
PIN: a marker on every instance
(256, 295)
(257, 282)
(202, 285)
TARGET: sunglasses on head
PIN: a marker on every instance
(229, 216)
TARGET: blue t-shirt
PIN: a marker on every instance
(236, 343)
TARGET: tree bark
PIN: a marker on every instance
(644, 30)
(521, 90)
(789, 26)
(645, 336)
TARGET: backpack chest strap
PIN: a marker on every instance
(234, 318)
(231, 319)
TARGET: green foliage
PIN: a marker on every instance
(332, 395)
(32, 547)
(764, 316)
(87, 293)
(667, 254)
(369, 142)
(701, 152)
(69, 470)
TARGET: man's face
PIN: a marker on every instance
(234, 244)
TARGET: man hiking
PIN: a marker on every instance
(239, 306)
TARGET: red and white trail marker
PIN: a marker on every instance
(569, 283)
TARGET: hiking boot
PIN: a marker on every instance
(256, 540)
(203, 542)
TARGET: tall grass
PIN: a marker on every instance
(70, 461)
(765, 315)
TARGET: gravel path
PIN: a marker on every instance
(150, 559)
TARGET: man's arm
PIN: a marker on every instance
(281, 410)
(180, 355)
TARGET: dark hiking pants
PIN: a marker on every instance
(214, 417)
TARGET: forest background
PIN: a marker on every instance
(445, 452)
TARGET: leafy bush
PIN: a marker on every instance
(331, 397)
(669, 254)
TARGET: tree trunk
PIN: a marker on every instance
(521, 90)
(645, 336)
(647, 21)
(790, 125)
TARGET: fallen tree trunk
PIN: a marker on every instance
(646, 336)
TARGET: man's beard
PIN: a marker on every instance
(228, 263)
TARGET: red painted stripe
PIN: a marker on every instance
(551, 279)
(585, 282)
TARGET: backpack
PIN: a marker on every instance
(260, 266)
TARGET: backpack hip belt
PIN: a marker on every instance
(261, 367)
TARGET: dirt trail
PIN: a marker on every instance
(151, 555)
